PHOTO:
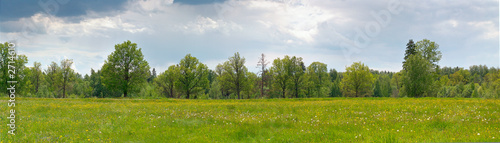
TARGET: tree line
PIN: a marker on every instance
(126, 73)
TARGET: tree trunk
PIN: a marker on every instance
(64, 88)
(37, 83)
(262, 83)
(238, 90)
(171, 92)
(222, 92)
(125, 90)
(125, 93)
(284, 92)
(64, 92)
(262, 86)
(296, 90)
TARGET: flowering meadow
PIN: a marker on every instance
(257, 120)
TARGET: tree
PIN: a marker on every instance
(461, 76)
(81, 86)
(357, 81)
(382, 86)
(192, 76)
(4, 66)
(280, 74)
(296, 69)
(262, 63)
(152, 75)
(223, 85)
(96, 84)
(492, 84)
(420, 70)
(478, 72)
(317, 73)
(336, 84)
(215, 90)
(12, 68)
(396, 84)
(54, 77)
(67, 74)
(236, 73)
(125, 69)
(417, 76)
(429, 50)
(250, 90)
(166, 80)
(37, 74)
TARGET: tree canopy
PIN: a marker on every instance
(357, 81)
(125, 69)
(193, 76)
(126, 73)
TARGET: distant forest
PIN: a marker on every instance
(126, 74)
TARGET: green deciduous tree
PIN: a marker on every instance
(166, 81)
(335, 86)
(396, 84)
(96, 84)
(22, 75)
(10, 60)
(357, 81)
(235, 73)
(492, 84)
(280, 75)
(37, 76)
(382, 87)
(125, 69)
(223, 84)
(251, 89)
(296, 70)
(53, 78)
(67, 75)
(153, 75)
(4, 53)
(192, 76)
(318, 76)
(417, 76)
(461, 76)
(81, 86)
(429, 50)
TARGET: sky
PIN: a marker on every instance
(334, 32)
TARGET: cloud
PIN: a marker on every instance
(212, 31)
(201, 25)
(488, 29)
(13, 10)
(147, 6)
(198, 2)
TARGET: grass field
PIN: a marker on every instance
(273, 120)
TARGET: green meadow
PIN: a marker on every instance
(255, 120)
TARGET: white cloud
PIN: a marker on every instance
(52, 25)
(488, 28)
(149, 5)
(297, 19)
(206, 24)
